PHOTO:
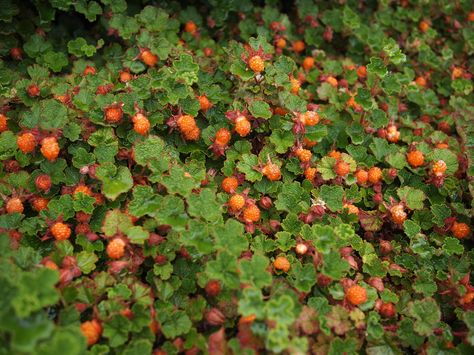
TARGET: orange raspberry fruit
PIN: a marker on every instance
(342, 168)
(374, 175)
(204, 103)
(308, 63)
(439, 168)
(272, 172)
(398, 214)
(351, 208)
(192, 135)
(393, 135)
(39, 203)
(299, 46)
(256, 63)
(230, 184)
(280, 43)
(141, 124)
(116, 248)
(295, 85)
(423, 26)
(26, 142)
(33, 90)
(89, 70)
(242, 126)
(387, 310)
(43, 182)
(60, 231)
(251, 214)
(362, 176)
(236, 202)
(14, 205)
(222, 137)
(460, 230)
(186, 123)
(356, 295)
(86, 190)
(50, 148)
(113, 113)
(332, 81)
(470, 16)
(334, 154)
(421, 81)
(92, 330)
(190, 27)
(125, 76)
(304, 155)
(281, 263)
(308, 143)
(149, 58)
(310, 118)
(415, 158)
(362, 71)
(310, 173)
(3, 123)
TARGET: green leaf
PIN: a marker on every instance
(303, 277)
(230, 237)
(424, 283)
(254, 271)
(83, 202)
(144, 202)
(282, 140)
(115, 181)
(332, 196)
(326, 168)
(179, 181)
(291, 197)
(86, 261)
(186, 69)
(137, 235)
(251, 302)
(204, 205)
(452, 246)
(377, 67)
(364, 98)
(149, 149)
(280, 309)
(173, 325)
(224, 268)
(260, 109)
(426, 314)
(247, 165)
(440, 213)
(116, 222)
(334, 266)
(53, 114)
(55, 61)
(413, 197)
(411, 228)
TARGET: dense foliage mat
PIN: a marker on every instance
(236, 177)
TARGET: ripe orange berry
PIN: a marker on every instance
(334, 154)
(374, 175)
(304, 155)
(310, 118)
(460, 230)
(86, 190)
(3, 123)
(50, 148)
(230, 184)
(148, 58)
(242, 126)
(186, 123)
(415, 158)
(125, 76)
(393, 135)
(50, 265)
(470, 16)
(247, 319)
(356, 295)
(60, 231)
(192, 135)
(280, 43)
(272, 172)
(33, 90)
(116, 248)
(351, 208)
(442, 145)
(310, 173)
(43, 182)
(456, 73)
(398, 214)
(421, 81)
(332, 81)
(113, 113)
(308, 63)
(204, 103)
(89, 70)
(39, 203)
(141, 124)
(362, 71)
(222, 137)
(251, 214)
(439, 168)
(362, 176)
(26, 142)
(295, 85)
(236, 202)
(423, 26)
(342, 168)
(387, 310)
(282, 263)
(190, 27)
(467, 298)
(256, 63)
(92, 331)
(298, 46)
(14, 205)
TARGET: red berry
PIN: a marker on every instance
(33, 90)
(113, 113)
(60, 231)
(3, 123)
(213, 288)
(43, 182)
(460, 230)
